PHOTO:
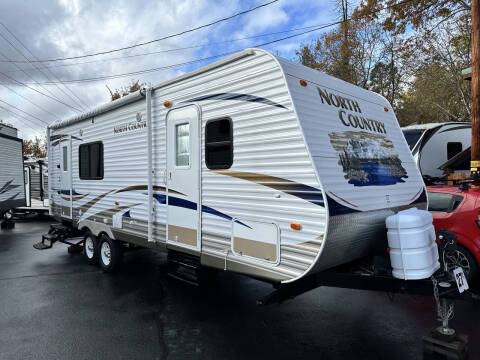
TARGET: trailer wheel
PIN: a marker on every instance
(109, 254)
(90, 248)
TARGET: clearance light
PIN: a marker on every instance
(295, 226)
(385, 108)
(303, 83)
(117, 203)
(167, 103)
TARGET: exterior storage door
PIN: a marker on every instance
(183, 177)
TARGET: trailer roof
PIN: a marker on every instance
(432, 125)
(141, 93)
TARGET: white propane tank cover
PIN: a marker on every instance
(413, 250)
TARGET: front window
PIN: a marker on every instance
(412, 137)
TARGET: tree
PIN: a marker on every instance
(35, 148)
(329, 53)
(125, 90)
(418, 14)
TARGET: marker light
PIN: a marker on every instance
(167, 103)
(303, 82)
(295, 226)
(117, 203)
(385, 108)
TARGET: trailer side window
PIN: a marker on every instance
(90, 159)
(442, 202)
(219, 144)
(453, 148)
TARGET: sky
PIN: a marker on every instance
(53, 29)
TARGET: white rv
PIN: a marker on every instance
(433, 144)
(252, 164)
(12, 187)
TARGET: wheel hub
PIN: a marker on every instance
(105, 253)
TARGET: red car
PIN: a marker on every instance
(458, 211)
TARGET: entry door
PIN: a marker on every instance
(183, 177)
(66, 176)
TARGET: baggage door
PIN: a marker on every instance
(66, 176)
(183, 177)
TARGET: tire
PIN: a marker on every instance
(90, 248)
(461, 257)
(109, 254)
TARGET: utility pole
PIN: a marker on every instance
(475, 149)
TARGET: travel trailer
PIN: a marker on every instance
(12, 187)
(36, 186)
(252, 164)
(433, 144)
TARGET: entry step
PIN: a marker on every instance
(184, 267)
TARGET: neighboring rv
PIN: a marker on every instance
(12, 187)
(36, 186)
(252, 164)
(433, 144)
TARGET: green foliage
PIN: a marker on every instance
(35, 148)
(418, 71)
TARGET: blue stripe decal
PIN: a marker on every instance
(126, 214)
(175, 201)
(67, 192)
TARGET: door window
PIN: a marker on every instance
(65, 158)
(182, 147)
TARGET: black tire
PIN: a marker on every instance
(90, 248)
(109, 254)
(463, 258)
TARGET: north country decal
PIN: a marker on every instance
(367, 159)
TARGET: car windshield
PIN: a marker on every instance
(412, 137)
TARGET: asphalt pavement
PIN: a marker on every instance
(53, 305)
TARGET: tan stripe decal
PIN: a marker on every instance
(338, 197)
(88, 205)
(145, 187)
(302, 191)
(112, 211)
(182, 234)
(256, 249)
(75, 198)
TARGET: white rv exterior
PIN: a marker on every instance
(254, 164)
(433, 144)
(12, 187)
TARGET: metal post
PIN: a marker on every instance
(50, 172)
(150, 166)
(475, 149)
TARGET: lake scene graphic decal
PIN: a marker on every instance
(367, 159)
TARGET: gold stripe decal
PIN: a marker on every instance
(293, 188)
(145, 187)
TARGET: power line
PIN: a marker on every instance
(20, 117)
(162, 38)
(30, 101)
(33, 116)
(21, 53)
(167, 50)
(30, 77)
(38, 91)
(139, 72)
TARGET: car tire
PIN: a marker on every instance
(90, 248)
(461, 257)
(109, 254)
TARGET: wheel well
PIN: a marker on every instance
(470, 252)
